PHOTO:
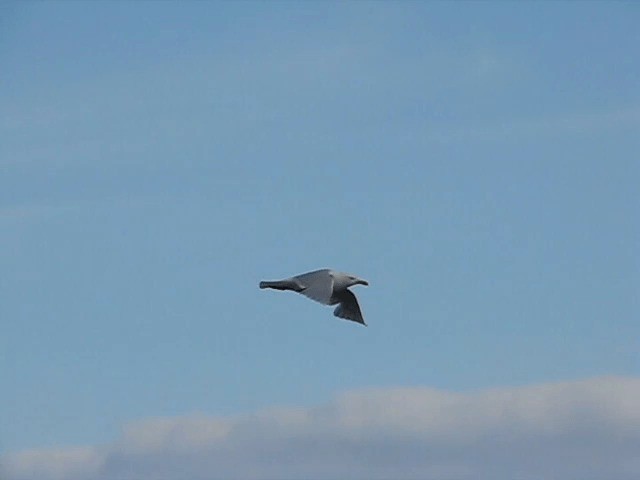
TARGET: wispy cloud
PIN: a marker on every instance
(548, 127)
(582, 430)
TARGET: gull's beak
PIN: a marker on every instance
(363, 282)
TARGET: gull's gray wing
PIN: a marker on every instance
(316, 285)
(348, 307)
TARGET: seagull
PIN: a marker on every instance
(327, 287)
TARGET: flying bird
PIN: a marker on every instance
(327, 287)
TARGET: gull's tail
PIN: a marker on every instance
(281, 285)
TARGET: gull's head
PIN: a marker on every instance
(345, 280)
(357, 281)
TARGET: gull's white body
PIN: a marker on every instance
(328, 287)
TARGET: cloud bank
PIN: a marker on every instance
(573, 430)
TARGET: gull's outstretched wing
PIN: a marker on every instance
(316, 285)
(348, 307)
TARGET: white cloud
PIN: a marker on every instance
(54, 463)
(574, 430)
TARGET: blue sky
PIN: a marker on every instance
(476, 162)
